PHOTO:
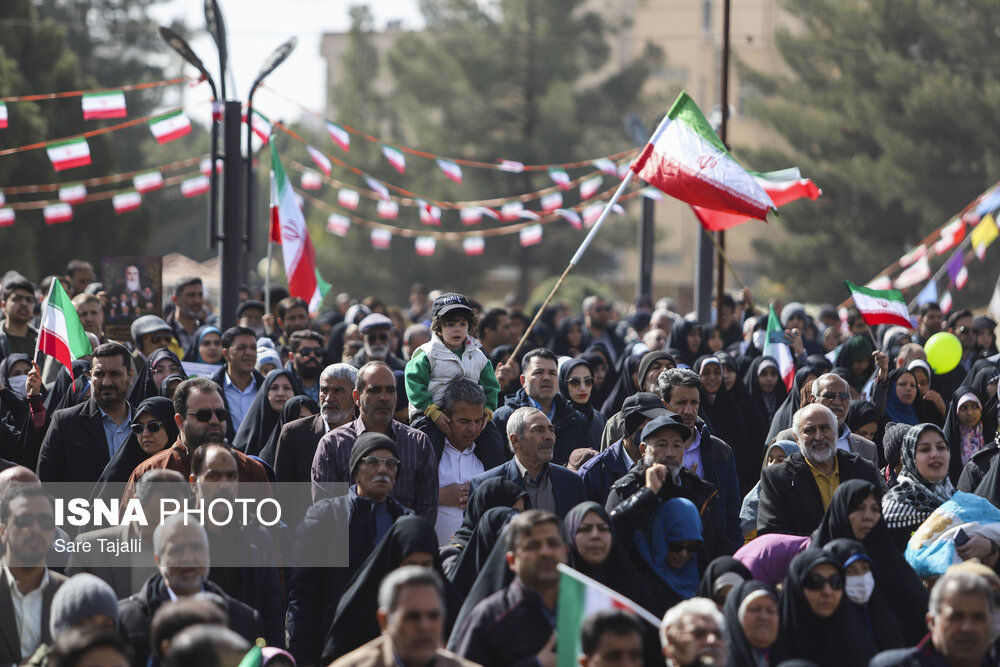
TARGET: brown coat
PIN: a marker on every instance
(177, 458)
(378, 653)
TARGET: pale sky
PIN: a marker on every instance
(257, 27)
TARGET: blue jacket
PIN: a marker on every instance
(602, 471)
(567, 487)
(572, 429)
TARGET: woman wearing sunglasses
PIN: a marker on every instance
(153, 430)
(667, 551)
(576, 383)
(815, 623)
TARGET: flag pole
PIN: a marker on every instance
(38, 339)
(270, 250)
(590, 235)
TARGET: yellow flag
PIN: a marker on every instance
(984, 234)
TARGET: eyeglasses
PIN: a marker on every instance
(152, 427)
(377, 336)
(311, 351)
(814, 582)
(835, 395)
(576, 382)
(690, 547)
(159, 338)
(374, 461)
(963, 329)
(205, 415)
(601, 309)
(44, 521)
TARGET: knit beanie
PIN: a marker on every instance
(83, 596)
(368, 442)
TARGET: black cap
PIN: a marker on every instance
(449, 302)
(247, 305)
(368, 442)
(664, 422)
(646, 404)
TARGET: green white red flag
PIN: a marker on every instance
(687, 160)
(782, 187)
(60, 334)
(69, 154)
(880, 306)
(776, 348)
(104, 105)
(297, 249)
(579, 597)
(170, 126)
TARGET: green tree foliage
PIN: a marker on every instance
(890, 107)
(520, 80)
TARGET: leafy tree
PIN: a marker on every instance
(889, 105)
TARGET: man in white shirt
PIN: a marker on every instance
(27, 586)
(238, 378)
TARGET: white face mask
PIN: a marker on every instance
(19, 385)
(859, 587)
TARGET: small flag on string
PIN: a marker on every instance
(451, 170)
(171, 126)
(73, 194)
(339, 135)
(311, 180)
(487, 211)
(511, 166)
(652, 193)
(957, 271)
(916, 253)
(147, 182)
(945, 303)
(623, 169)
(104, 105)
(322, 161)
(6, 217)
(381, 239)
(205, 166)
(527, 214)
(531, 235)
(552, 201)
(473, 245)
(387, 210)
(951, 235)
(3, 115)
(348, 198)
(425, 245)
(471, 216)
(126, 201)
(429, 215)
(198, 185)
(300, 201)
(218, 111)
(260, 124)
(606, 165)
(983, 235)
(3, 199)
(511, 211)
(395, 158)
(338, 225)
(590, 187)
(69, 154)
(559, 177)
(570, 216)
(378, 188)
(928, 293)
(56, 213)
(591, 214)
(918, 272)
(880, 283)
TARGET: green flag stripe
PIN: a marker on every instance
(685, 110)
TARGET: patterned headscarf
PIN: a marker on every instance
(913, 499)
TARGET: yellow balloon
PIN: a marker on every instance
(944, 351)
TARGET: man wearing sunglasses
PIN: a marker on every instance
(368, 510)
(376, 333)
(151, 333)
(597, 319)
(27, 586)
(307, 362)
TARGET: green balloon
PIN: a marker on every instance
(944, 351)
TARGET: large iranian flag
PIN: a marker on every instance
(782, 187)
(686, 159)
(297, 249)
(880, 306)
(60, 334)
(579, 597)
(776, 348)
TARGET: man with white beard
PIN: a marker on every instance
(795, 494)
(376, 333)
(132, 283)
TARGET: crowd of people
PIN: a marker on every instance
(662, 457)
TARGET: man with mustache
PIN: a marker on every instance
(377, 337)
(27, 586)
(795, 494)
(306, 363)
(255, 580)
(514, 626)
(368, 511)
(298, 439)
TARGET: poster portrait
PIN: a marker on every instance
(134, 287)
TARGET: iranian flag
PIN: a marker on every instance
(776, 348)
(126, 201)
(171, 126)
(451, 170)
(73, 194)
(530, 235)
(348, 198)
(570, 216)
(511, 166)
(338, 225)
(551, 201)
(104, 105)
(471, 216)
(260, 124)
(322, 161)
(473, 245)
(782, 187)
(60, 334)
(304, 280)
(3, 115)
(559, 177)
(395, 158)
(381, 239)
(605, 165)
(6, 217)
(339, 136)
(685, 159)
(147, 182)
(880, 306)
(378, 188)
(590, 187)
(192, 187)
(69, 154)
(56, 213)
(579, 597)
(387, 210)
(425, 245)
